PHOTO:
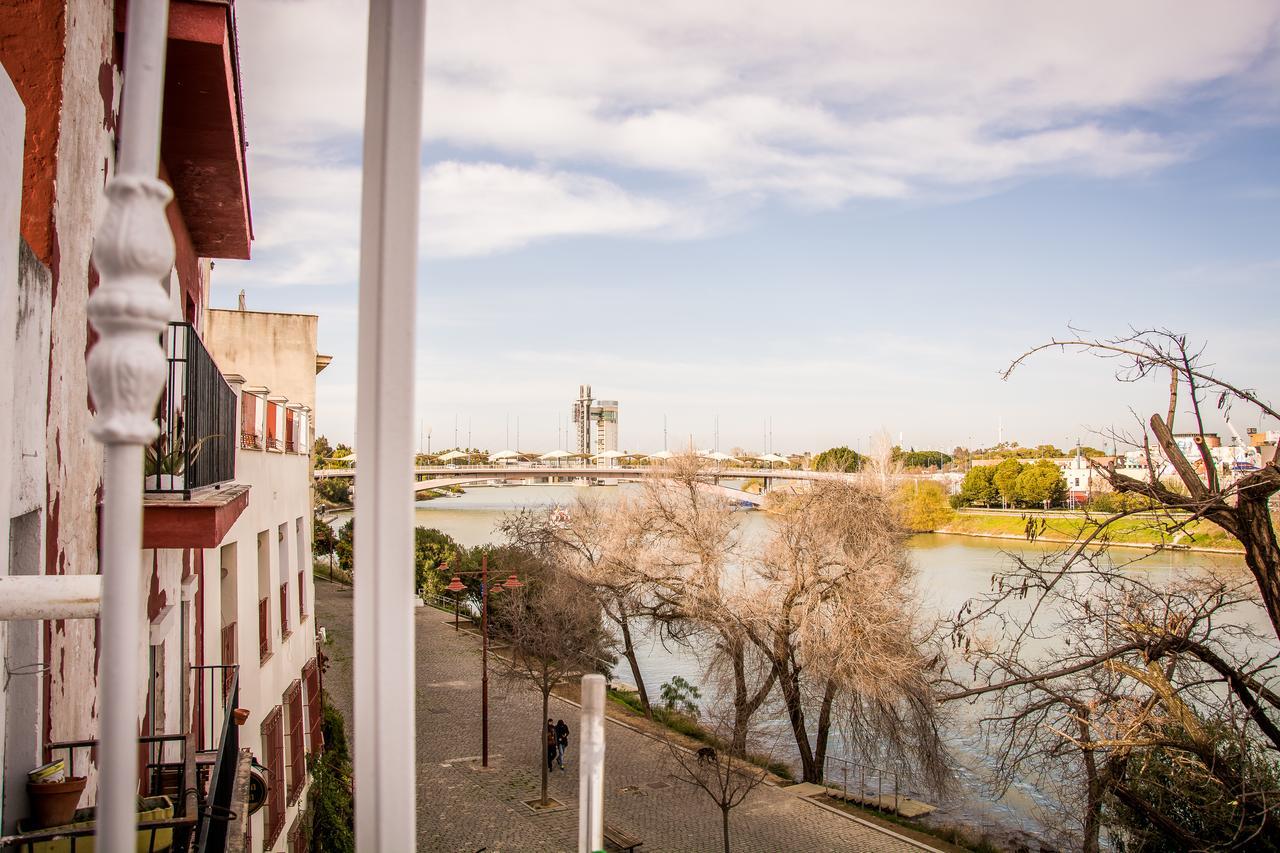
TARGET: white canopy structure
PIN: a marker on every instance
(555, 454)
(722, 457)
(505, 454)
(349, 459)
(452, 455)
(771, 457)
(610, 454)
(661, 454)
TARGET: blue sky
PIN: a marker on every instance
(841, 217)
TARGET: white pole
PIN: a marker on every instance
(384, 636)
(133, 252)
(591, 766)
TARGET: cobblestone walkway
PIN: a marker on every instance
(462, 807)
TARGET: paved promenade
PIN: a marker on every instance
(462, 807)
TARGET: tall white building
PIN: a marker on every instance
(600, 416)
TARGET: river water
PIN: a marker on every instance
(952, 569)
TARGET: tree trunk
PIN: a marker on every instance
(629, 651)
(1261, 553)
(1093, 788)
(824, 729)
(789, 681)
(542, 728)
(724, 814)
(744, 704)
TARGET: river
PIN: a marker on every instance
(952, 569)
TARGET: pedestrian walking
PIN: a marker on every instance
(562, 741)
(551, 745)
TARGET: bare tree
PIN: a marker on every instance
(688, 563)
(1240, 507)
(835, 613)
(1116, 673)
(554, 629)
(727, 776)
(598, 543)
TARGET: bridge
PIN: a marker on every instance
(444, 476)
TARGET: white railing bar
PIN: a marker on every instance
(133, 252)
(34, 597)
(384, 635)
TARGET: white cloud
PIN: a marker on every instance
(814, 102)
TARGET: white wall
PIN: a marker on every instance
(12, 134)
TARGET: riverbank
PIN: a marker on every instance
(1129, 532)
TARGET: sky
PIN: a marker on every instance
(801, 222)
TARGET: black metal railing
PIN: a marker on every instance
(201, 795)
(197, 419)
(169, 776)
(215, 812)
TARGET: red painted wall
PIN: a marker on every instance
(32, 34)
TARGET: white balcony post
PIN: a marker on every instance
(133, 251)
(384, 635)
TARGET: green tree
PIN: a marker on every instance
(925, 459)
(838, 459)
(1040, 482)
(345, 547)
(679, 695)
(1005, 480)
(925, 506)
(321, 449)
(323, 539)
(431, 549)
(331, 801)
(335, 491)
(977, 487)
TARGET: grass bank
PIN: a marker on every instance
(1136, 531)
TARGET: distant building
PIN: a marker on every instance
(600, 415)
(605, 417)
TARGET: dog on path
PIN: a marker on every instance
(707, 754)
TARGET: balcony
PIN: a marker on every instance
(191, 500)
(191, 792)
(197, 421)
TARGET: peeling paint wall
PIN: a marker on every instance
(12, 135)
(74, 461)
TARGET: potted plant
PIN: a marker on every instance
(166, 470)
(53, 796)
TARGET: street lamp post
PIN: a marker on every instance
(455, 586)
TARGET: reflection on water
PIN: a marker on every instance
(952, 569)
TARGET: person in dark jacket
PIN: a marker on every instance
(562, 741)
(551, 745)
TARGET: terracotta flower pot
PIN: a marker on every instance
(240, 715)
(54, 803)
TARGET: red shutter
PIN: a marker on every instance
(311, 675)
(289, 443)
(264, 628)
(297, 749)
(284, 610)
(249, 421)
(273, 746)
(272, 439)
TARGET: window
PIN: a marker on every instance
(264, 629)
(284, 611)
(290, 437)
(311, 679)
(303, 555)
(299, 835)
(264, 594)
(273, 756)
(273, 429)
(249, 436)
(297, 773)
